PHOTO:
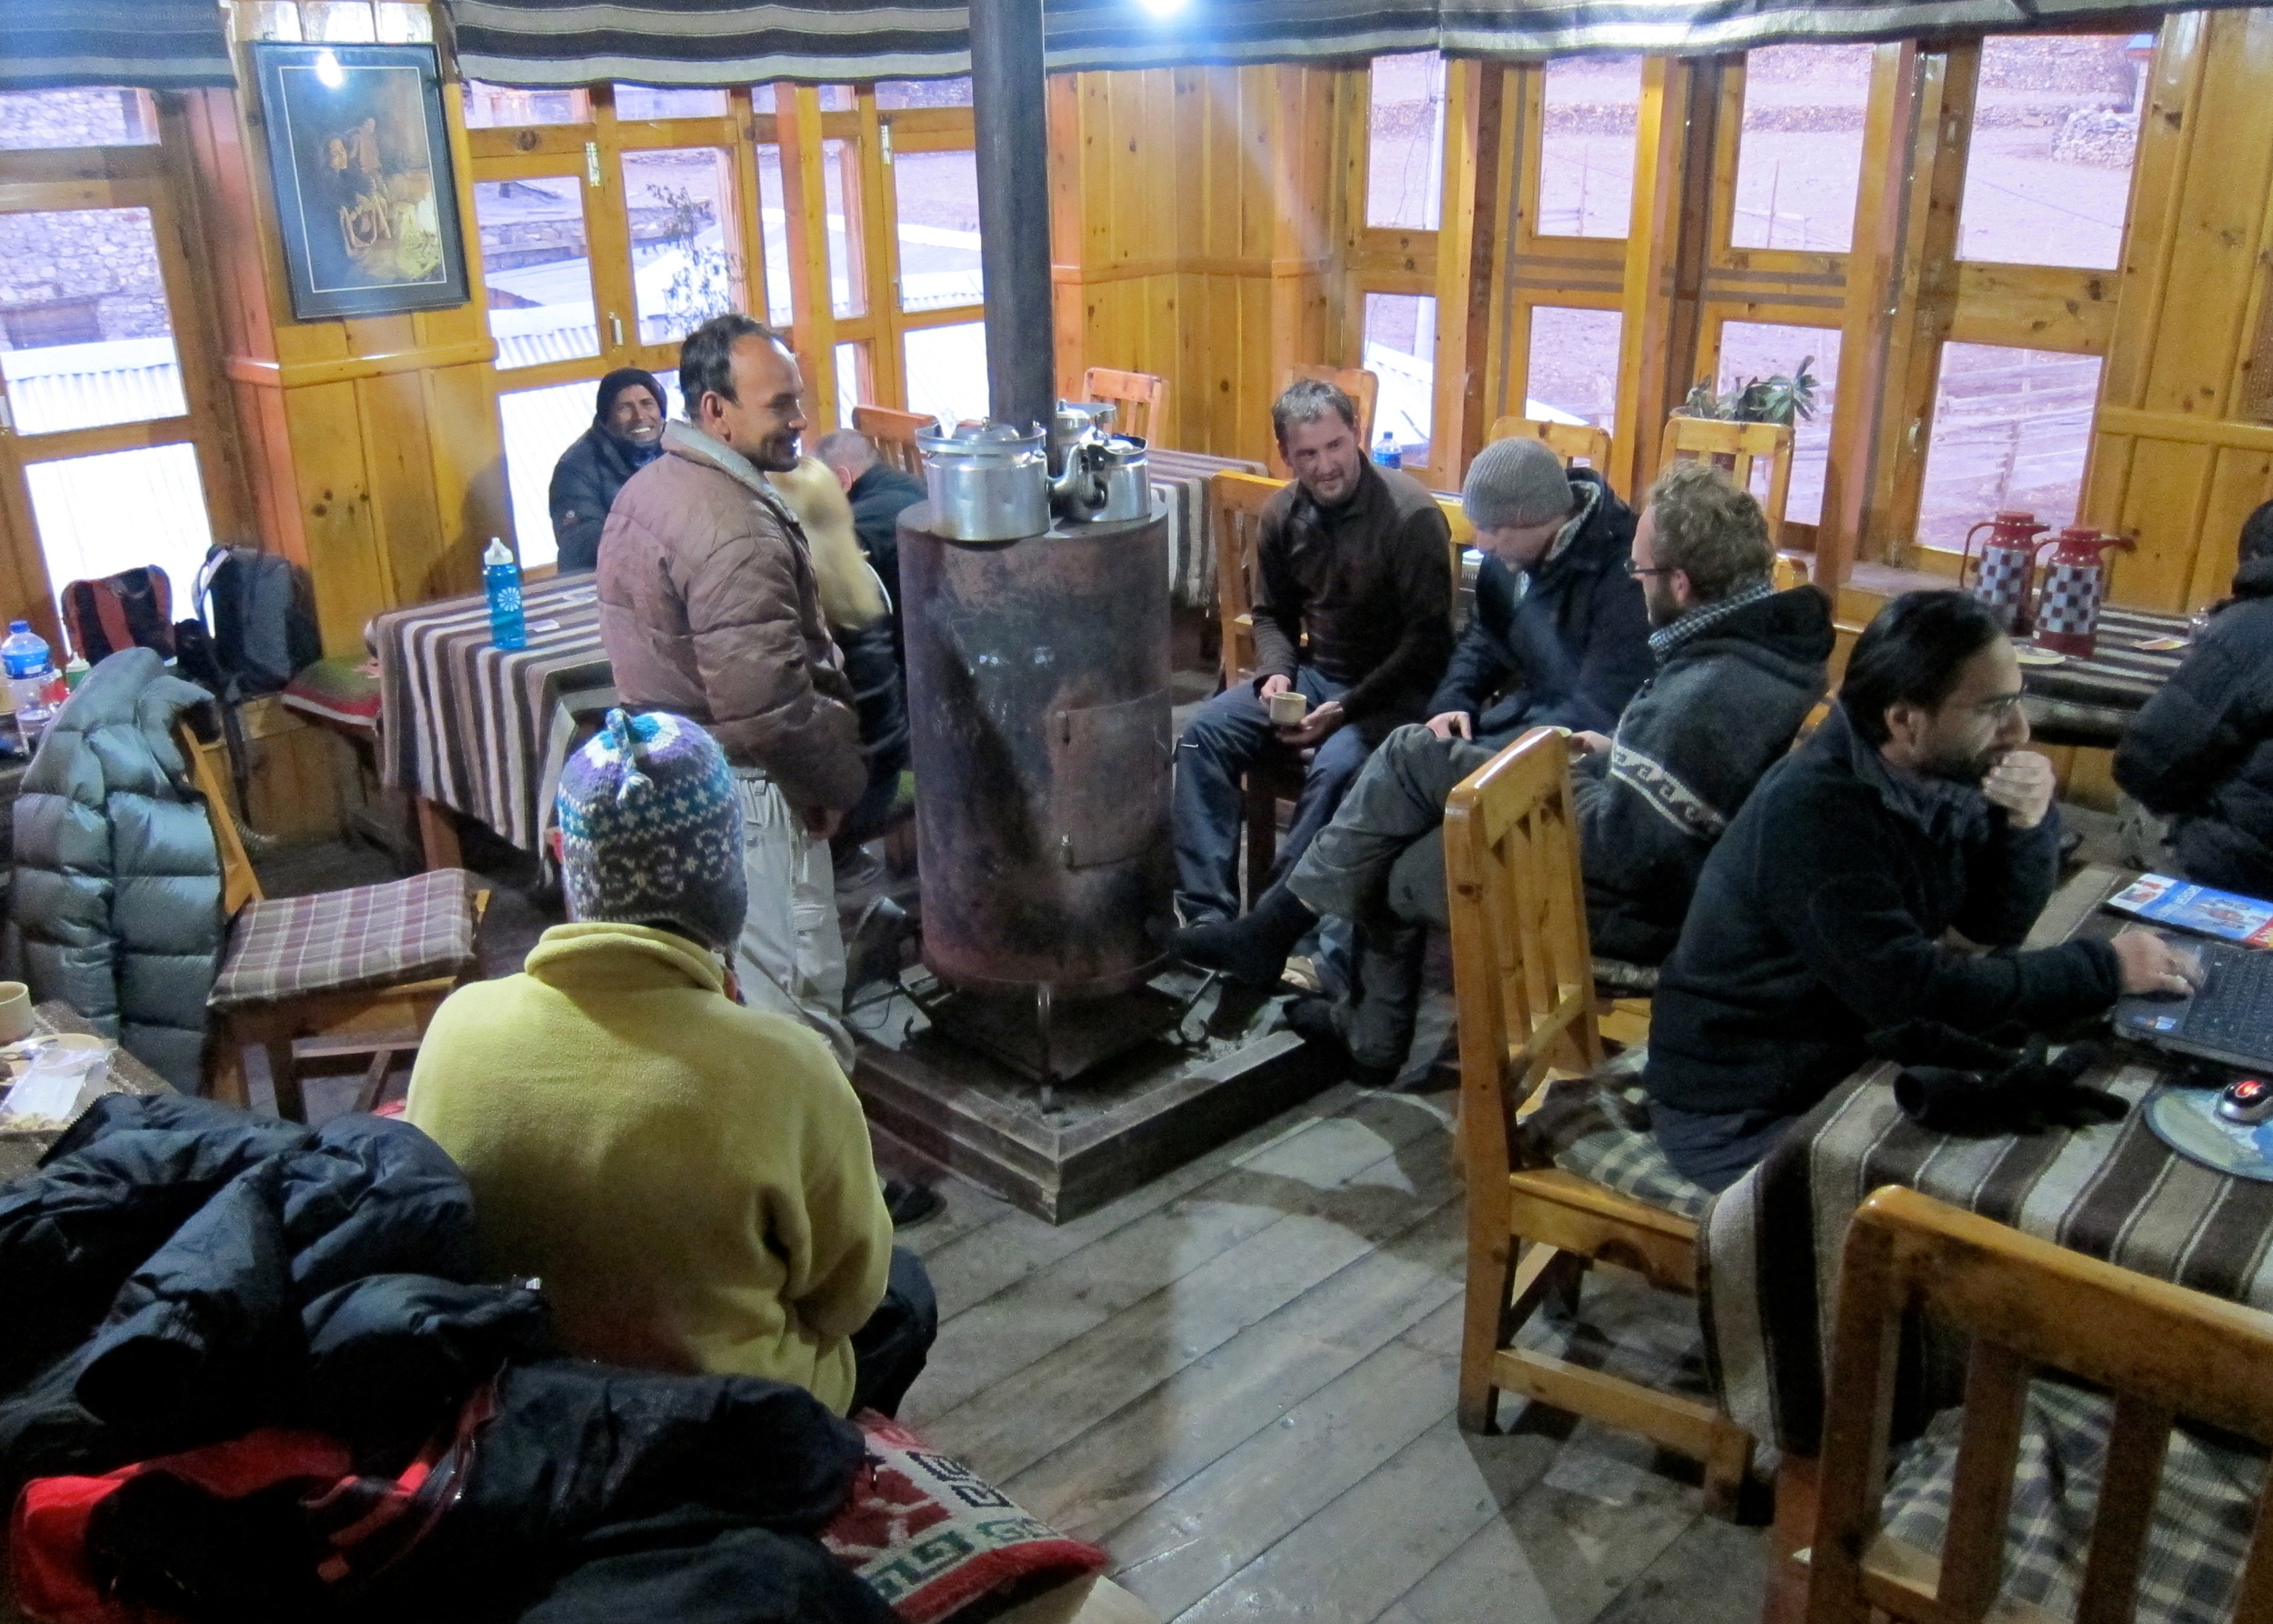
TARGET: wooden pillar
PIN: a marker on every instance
(804, 189)
(1471, 235)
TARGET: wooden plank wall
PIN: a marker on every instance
(2174, 457)
(1193, 238)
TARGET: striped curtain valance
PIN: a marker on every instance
(742, 42)
(154, 45)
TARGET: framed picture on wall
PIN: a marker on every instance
(366, 202)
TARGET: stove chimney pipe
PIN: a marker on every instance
(1009, 96)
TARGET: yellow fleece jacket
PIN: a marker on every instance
(690, 1180)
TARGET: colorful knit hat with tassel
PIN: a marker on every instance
(651, 832)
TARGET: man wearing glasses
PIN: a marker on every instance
(1881, 876)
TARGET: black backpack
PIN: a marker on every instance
(263, 625)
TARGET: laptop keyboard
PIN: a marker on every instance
(2239, 1016)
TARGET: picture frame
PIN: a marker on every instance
(365, 193)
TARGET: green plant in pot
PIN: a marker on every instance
(1789, 399)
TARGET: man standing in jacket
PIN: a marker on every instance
(1824, 915)
(1353, 610)
(1738, 666)
(709, 608)
(626, 435)
(2200, 752)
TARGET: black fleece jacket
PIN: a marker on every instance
(1820, 918)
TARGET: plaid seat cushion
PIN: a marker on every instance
(1597, 1126)
(415, 930)
(2203, 1514)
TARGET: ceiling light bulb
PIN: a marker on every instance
(327, 71)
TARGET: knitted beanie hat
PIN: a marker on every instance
(1515, 484)
(651, 833)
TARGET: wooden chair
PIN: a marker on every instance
(1524, 988)
(1787, 573)
(2028, 1305)
(1736, 447)
(894, 434)
(364, 968)
(1143, 400)
(1235, 503)
(1573, 442)
(1363, 388)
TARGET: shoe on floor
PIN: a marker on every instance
(1318, 1023)
(911, 1204)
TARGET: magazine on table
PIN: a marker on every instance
(2184, 906)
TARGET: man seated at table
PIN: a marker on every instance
(709, 608)
(626, 435)
(689, 1177)
(879, 494)
(1740, 665)
(1884, 873)
(1352, 609)
(2200, 752)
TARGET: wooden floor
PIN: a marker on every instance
(1239, 1381)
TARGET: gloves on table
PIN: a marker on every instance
(1955, 1083)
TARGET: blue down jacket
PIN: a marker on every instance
(116, 903)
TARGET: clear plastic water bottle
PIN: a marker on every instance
(1387, 454)
(31, 672)
(501, 577)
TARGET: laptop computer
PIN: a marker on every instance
(2229, 1018)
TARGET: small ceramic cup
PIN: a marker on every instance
(15, 1012)
(1289, 708)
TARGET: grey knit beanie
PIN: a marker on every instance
(1515, 484)
(651, 833)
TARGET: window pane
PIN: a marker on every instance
(947, 371)
(83, 311)
(37, 118)
(489, 107)
(1574, 370)
(853, 387)
(1401, 351)
(924, 92)
(1751, 350)
(936, 194)
(1799, 159)
(99, 515)
(681, 203)
(1587, 146)
(539, 424)
(762, 97)
(341, 22)
(402, 22)
(772, 231)
(536, 269)
(837, 98)
(2050, 176)
(674, 404)
(1405, 146)
(848, 264)
(655, 101)
(2010, 430)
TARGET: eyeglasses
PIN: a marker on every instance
(1637, 572)
(1998, 708)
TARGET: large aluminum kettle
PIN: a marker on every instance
(986, 481)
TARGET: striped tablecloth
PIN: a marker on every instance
(1182, 478)
(2120, 675)
(481, 730)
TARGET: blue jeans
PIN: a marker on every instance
(1231, 733)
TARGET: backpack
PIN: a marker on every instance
(263, 626)
(135, 607)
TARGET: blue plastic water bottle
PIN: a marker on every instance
(31, 671)
(1387, 454)
(500, 575)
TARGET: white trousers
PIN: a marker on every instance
(791, 956)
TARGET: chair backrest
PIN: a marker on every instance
(1235, 524)
(1573, 442)
(1363, 388)
(894, 434)
(1736, 447)
(1787, 573)
(239, 884)
(1522, 965)
(2161, 1351)
(1143, 399)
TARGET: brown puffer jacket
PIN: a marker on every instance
(708, 609)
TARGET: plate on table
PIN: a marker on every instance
(2038, 656)
(2161, 644)
(2185, 1118)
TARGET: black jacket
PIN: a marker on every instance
(879, 496)
(584, 483)
(1818, 919)
(1569, 638)
(1722, 710)
(2200, 752)
(1370, 583)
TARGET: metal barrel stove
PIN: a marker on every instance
(1038, 691)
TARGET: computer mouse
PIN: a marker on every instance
(2248, 1100)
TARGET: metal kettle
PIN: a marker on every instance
(986, 481)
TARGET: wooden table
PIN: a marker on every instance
(2089, 701)
(20, 1153)
(1768, 1251)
